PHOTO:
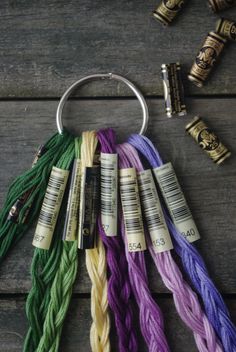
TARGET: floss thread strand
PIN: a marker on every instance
(150, 315)
(119, 288)
(194, 264)
(61, 291)
(44, 266)
(96, 266)
(36, 177)
(186, 301)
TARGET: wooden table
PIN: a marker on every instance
(47, 45)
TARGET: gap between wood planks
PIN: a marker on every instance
(147, 97)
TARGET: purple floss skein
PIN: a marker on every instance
(150, 316)
(193, 263)
(119, 287)
(185, 299)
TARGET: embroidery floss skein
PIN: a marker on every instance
(95, 258)
(119, 288)
(44, 266)
(186, 301)
(96, 266)
(61, 290)
(194, 264)
(26, 193)
(151, 319)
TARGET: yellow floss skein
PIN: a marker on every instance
(96, 266)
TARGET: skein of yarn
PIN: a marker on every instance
(194, 264)
(96, 266)
(44, 267)
(119, 288)
(186, 301)
(25, 194)
(151, 319)
(61, 290)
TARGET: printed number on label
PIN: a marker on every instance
(159, 242)
(135, 246)
(38, 238)
(105, 227)
(189, 233)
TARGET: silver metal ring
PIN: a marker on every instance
(102, 76)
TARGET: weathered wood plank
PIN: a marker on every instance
(75, 334)
(210, 189)
(45, 46)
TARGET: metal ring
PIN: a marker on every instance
(102, 76)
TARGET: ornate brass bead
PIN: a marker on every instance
(173, 89)
(218, 5)
(207, 140)
(206, 58)
(167, 10)
(226, 28)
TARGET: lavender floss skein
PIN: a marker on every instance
(150, 316)
(119, 287)
(194, 264)
(185, 299)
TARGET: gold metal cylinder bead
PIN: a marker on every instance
(173, 89)
(219, 5)
(167, 10)
(206, 58)
(226, 28)
(207, 140)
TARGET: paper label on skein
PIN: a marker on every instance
(176, 202)
(50, 208)
(155, 220)
(71, 221)
(132, 210)
(89, 202)
(109, 185)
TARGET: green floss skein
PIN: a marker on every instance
(61, 291)
(35, 178)
(25, 181)
(44, 267)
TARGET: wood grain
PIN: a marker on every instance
(47, 45)
(210, 190)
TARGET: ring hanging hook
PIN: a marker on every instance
(86, 79)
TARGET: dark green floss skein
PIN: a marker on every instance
(35, 178)
(44, 267)
(21, 181)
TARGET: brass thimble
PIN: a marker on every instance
(206, 58)
(226, 28)
(167, 10)
(218, 5)
(207, 140)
